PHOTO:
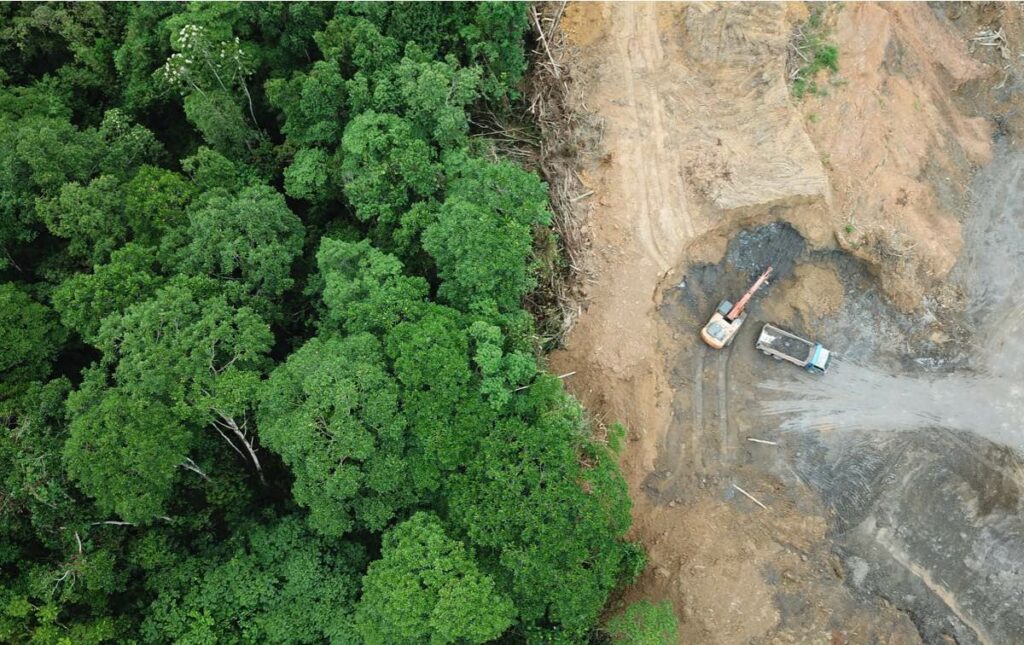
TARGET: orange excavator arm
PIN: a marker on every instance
(737, 309)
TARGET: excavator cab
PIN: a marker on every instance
(729, 317)
(719, 331)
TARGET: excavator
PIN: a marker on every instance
(729, 317)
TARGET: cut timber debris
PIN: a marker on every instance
(556, 102)
(988, 37)
(562, 376)
(555, 70)
(751, 497)
(764, 441)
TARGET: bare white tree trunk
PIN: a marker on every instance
(228, 422)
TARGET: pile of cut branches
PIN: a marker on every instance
(569, 133)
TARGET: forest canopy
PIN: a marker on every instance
(265, 370)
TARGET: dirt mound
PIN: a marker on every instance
(898, 142)
(746, 146)
(811, 292)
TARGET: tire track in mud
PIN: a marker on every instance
(707, 444)
(712, 444)
(697, 458)
(728, 443)
(665, 223)
(885, 539)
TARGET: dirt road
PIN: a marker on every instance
(709, 171)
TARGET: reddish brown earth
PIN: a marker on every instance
(700, 139)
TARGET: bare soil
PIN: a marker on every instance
(708, 170)
(812, 292)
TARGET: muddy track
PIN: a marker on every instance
(706, 446)
(699, 462)
(663, 223)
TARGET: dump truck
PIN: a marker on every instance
(729, 317)
(784, 346)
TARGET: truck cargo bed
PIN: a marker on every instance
(777, 341)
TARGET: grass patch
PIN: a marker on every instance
(810, 52)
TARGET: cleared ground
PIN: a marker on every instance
(893, 484)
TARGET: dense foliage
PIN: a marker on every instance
(644, 623)
(265, 372)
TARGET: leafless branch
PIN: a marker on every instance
(228, 422)
(544, 41)
(188, 464)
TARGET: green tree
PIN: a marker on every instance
(71, 44)
(426, 588)
(222, 122)
(309, 176)
(279, 584)
(143, 48)
(212, 75)
(85, 299)
(486, 34)
(501, 371)
(431, 95)
(356, 45)
(30, 338)
(644, 623)
(482, 238)
(125, 145)
(154, 202)
(331, 413)
(212, 171)
(250, 239)
(43, 154)
(38, 497)
(124, 451)
(178, 347)
(313, 104)
(189, 359)
(435, 96)
(90, 217)
(48, 152)
(56, 580)
(430, 359)
(365, 289)
(385, 167)
(552, 524)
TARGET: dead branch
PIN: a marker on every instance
(544, 41)
(229, 442)
(228, 422)
(60, 579)
(188, 464)
(751, 497)
(561, 376)
(557, 19)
